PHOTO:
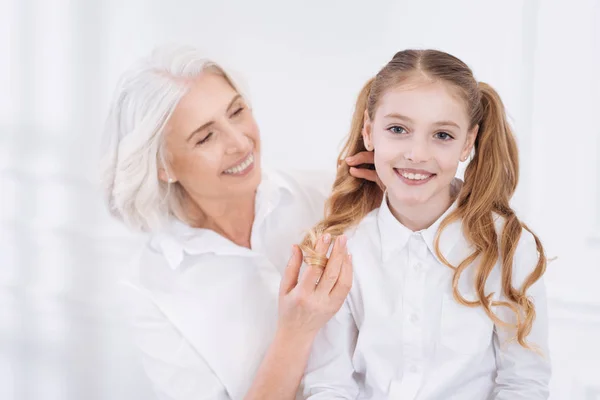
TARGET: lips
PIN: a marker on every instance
(412, 177)
(414, 174)
(242, 166)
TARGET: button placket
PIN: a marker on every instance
(412, 311)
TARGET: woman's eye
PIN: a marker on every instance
(237, 112)
(397, 129)
(204, 139)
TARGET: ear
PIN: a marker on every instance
(470, 142)
(163, 175)
(366, 132)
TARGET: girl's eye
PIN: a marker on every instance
(444, 136)
(397, 129)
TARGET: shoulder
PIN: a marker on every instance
(526, 258)
(149, 270)
(527, 241)
(365, 226)
(147, 274)
(305, 192)
(526, 254)
(365, 233)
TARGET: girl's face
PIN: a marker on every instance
(420, 132)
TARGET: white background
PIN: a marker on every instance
(304, 63)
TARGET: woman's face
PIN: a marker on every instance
(213, 142)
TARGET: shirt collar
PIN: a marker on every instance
(178, 238)
(273, 191)
(394, 236)
(449, 237)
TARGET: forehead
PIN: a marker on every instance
(424, 101)
(208, 97)
(206, 93)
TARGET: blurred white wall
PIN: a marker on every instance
(304, 62)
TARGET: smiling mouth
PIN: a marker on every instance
(241, 167)
(414, 176)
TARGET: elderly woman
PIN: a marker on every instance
(218, 307)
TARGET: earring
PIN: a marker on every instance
(171, 180)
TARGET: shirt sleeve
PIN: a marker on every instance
(174, 367)
(523, 373)
(329, 373)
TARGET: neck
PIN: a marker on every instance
(231, 218)
(422, 216)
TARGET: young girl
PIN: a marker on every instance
(447, 300)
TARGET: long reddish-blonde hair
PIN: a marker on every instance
(490, 181)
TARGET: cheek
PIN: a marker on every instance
(387, 151)
(200, 166)
(251, 128)
(384, 159)
(209, 162)
(448, 159)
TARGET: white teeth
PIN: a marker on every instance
(415, 177)
(241, 167)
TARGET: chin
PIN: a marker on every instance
(251, 182)
(412, 202)
(410, 194)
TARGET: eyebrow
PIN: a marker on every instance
(405, 118)
(209, 123)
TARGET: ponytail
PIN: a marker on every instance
(490, 181)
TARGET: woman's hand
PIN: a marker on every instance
(367, 171)
(307, 302)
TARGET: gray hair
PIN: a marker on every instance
(144, 100)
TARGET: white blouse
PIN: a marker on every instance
(401, 335)
(204, 310)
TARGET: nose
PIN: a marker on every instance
(418, 150)
(237, 141)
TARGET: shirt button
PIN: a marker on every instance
(418, 267)
(413, 369)
(414, 318)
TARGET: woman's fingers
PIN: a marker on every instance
(323, 245)
(292, 270)
(364, 157)
(334, 266)
(363, 173)
(362, 166)
(344, 282)
(312, 273)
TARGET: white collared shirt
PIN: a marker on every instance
(401, 335)
(204, 310)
